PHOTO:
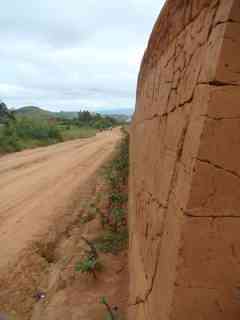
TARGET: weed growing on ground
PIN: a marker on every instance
(112, 242)
(112, 311)
(89, 216)
(114, 218)
(90, 263)
(110, 314)
(90, 211)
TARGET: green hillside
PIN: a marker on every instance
(39, 113)
(34, 112)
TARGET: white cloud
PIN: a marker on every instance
(66, 54)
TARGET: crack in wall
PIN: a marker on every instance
(218, 167)
(220, 118)
(195, 287)
(221, 216)
(178, 35)
(192, 20)
(217, 83)
(213, 83)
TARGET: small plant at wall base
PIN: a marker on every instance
(114, 220)
(92, 250)
(90, 263)
(112, 242)
(90, 213)
(112, 311)
(91, 209)
(110, 314)
(118, 215)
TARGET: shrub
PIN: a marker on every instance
(96, 121)
(27, 128)
(23, 132)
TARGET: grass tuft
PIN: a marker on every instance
(112, 242)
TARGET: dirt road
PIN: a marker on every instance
(36, 185)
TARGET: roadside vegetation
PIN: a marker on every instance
(113, 215)
(90, 263)
(111, 312)
(110, 207)
(25, 133)
(96, 121)
(75, 132)
(21, 131)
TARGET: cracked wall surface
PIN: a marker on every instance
(185, 166)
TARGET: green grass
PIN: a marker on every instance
(75, 132)
(89, 264)
(114, 219)
(112, 242)
(26, 133)
(116, 172)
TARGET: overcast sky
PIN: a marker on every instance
(70, 54)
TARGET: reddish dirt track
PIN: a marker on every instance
(36, 185)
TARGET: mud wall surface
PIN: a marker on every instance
(185, 166)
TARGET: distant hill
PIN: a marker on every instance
(118, 114)
(118, 117)
(118, 111)
(34, 112)
(39, 113)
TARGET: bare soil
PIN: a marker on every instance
(40, 234)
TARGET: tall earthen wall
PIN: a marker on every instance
(185, 167)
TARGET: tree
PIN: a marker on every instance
(5, 114)
(84, 116)
(96, 120)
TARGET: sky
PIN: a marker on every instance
(74, 54)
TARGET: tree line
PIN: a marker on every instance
(18, 132)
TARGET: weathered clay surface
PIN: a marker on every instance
(185, 166)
